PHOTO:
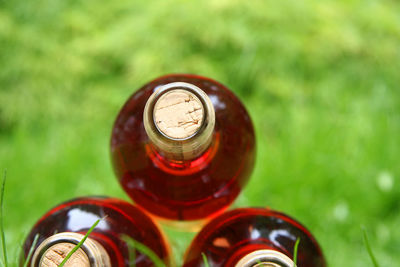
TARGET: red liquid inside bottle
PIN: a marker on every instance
(254, 237)
(121, 222)
(190, 177)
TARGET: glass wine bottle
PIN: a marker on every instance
(110, 243)
(183, 147)
(253, 237)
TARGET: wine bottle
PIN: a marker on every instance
(183, 147)
(253, 237)
(110, 243)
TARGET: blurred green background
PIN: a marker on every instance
(319, 78)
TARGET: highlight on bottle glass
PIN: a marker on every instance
(183, 147)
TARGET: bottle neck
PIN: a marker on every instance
(179, 120)
(265, 258)
(52, 251)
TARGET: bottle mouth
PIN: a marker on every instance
(178, 114)
(91, 254)
(179, 118)
(265, 258)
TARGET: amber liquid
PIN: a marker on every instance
(231, 236)
(122, 220)
(192, 189)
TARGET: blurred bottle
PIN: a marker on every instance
(183, 147)
(110, 243)
(253, 237)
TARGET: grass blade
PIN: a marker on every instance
(205, 259)
(132, 255)
(142, 248)
(3, 237)
(295, 251)
(35, 240)
(366, 243)
(79, 244)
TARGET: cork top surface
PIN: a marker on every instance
(56, 254)
(178, 114)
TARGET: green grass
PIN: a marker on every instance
(319, 78)
(368, 248)
(295, 251)
(205, 260)
(79, 244)
(31, 250)
(135, 245)
(2, 232)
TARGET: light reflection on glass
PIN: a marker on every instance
(216, 102)
(76, 217)
(254, 233)
(277, 234)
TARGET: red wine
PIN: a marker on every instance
(249, 236)
(190, 176)
(121, 221)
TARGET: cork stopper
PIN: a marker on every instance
(179, 119)
(265, 258)
(178, 114)
(53, 250)
(57, 253)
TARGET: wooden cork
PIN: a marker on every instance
(56, 254)
(178, 114)
(179, 119)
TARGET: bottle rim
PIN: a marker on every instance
(192, 145)
(95, 252)
(266, 257)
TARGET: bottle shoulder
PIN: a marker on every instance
(232, 120)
